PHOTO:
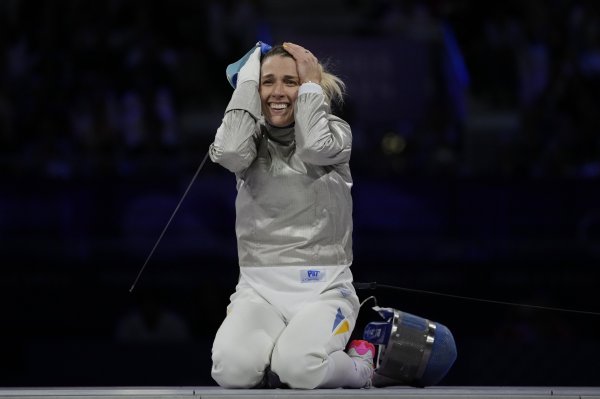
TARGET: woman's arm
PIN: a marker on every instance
(321, 138)
(234, 147)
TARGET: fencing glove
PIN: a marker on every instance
(247, 68)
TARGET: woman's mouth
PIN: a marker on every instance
(278, 106)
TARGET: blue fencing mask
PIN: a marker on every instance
(412, 350)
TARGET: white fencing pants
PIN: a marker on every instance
(306, 352)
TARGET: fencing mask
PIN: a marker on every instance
(412, 350)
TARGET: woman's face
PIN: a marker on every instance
(279, 83)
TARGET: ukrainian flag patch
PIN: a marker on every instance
(340, 324)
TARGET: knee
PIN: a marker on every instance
(298, 369)
(235, 368)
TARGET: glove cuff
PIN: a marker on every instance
(245, 97)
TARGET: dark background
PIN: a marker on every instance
(476, 163)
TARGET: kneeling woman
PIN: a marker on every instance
(294, 306)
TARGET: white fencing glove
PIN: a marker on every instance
(247, 68)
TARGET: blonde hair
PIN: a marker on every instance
(334, 88)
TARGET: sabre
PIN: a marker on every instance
(169, 222)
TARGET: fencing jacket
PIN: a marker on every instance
(293, 205)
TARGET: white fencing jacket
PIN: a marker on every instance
(293, 205)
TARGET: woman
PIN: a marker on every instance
(294, 307)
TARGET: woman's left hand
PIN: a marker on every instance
(308, 66)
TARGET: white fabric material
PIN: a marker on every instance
(310, 87)
(283, 287)
(305, 349)
(250, 71)
(293, 205)
(347, 372)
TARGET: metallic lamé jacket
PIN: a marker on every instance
(293, 204)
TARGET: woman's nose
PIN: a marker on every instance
(278, 89)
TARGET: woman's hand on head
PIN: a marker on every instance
(308, 66)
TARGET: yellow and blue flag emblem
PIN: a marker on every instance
(340, 324)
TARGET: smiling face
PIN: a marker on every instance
(279, 83)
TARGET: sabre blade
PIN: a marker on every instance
(168, 223)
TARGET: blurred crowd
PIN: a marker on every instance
(101, 88)
(542, 59)
(126, 87)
